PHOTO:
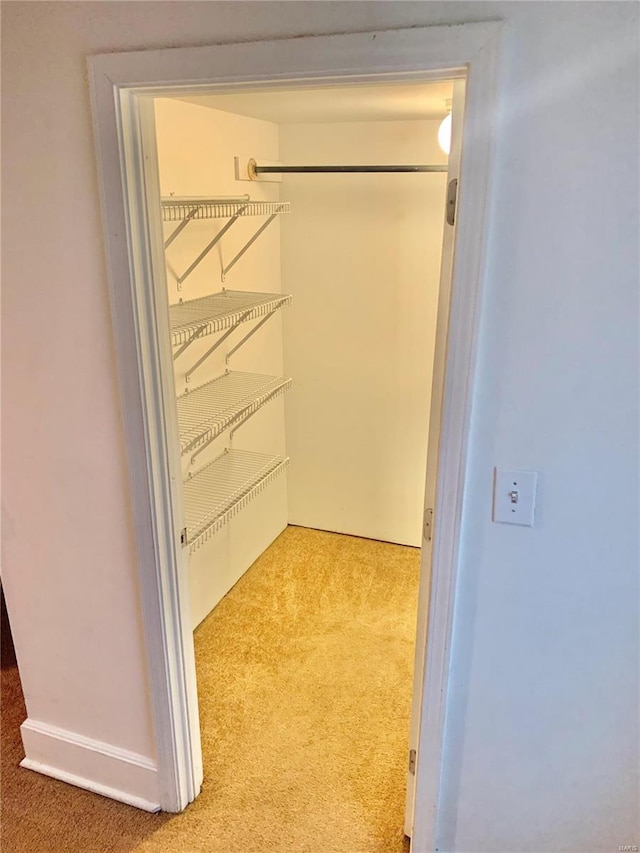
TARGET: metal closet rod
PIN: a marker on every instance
(296, 170)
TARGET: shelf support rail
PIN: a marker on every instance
(250, 242)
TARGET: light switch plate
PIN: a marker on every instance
(514, 496)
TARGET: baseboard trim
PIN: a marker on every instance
(91, 764)
(88, 785)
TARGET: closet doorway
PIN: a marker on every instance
(303, 232)
(123, 88)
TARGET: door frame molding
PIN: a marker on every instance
(122, 85)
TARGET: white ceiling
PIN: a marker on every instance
(392, 102)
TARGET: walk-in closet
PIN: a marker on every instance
(302, 323)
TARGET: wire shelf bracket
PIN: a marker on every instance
(203, 254)
(186, 210)
(187, 219)
(214, 347)
(225, 402)
(205, 356)
(250, 242)
(225, 310)
(222, 488)
(250, 334)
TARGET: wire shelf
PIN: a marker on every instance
(224, 487)
(219, 311)
(207, 411)
(176, 208)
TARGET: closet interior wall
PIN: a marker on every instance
(361, 257)
(196, 149)
(360, 254)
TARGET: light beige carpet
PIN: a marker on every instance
(304, 676)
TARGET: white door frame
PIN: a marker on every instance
(121, 85)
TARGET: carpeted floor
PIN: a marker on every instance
(304, 676)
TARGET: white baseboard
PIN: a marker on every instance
(91, 764)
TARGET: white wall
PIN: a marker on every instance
(542, 726)
(196, 150)
(361, 256)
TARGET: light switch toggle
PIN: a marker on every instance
(514, 496)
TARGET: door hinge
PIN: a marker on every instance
(428, 524)
(412, 762)
(183, 536)
(452, 197)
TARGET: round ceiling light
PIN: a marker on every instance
(444, 134)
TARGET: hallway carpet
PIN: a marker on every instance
(304, 676)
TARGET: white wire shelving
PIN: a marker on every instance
(207, 315)
(225, 402)
(194, 318)
(222, 488)
(179, 208)
(184, 210)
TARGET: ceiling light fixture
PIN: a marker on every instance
(444, 131)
